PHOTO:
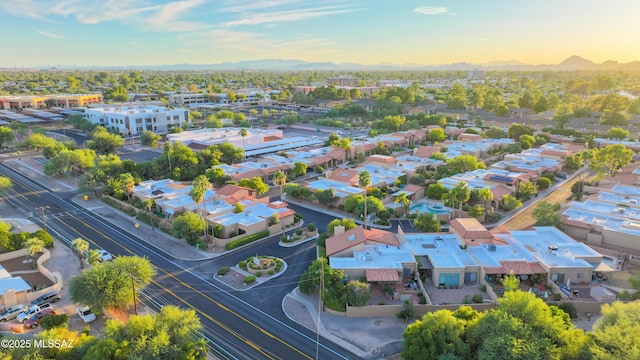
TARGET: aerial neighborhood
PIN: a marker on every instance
(417, 200)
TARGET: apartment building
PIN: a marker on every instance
(134, 120)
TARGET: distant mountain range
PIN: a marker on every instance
(573, 63)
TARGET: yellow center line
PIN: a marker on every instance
(191, 288)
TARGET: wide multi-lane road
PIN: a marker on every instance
(235, 328)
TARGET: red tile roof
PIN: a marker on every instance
(500, 191)
(338, 243)
(522, 268)
(347, 176)
(381, 275)
(247, 175)
(470, 228)
(426, 152)
(230, 189)
(382, 236)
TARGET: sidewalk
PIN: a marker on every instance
(368, 338)
(154, 237)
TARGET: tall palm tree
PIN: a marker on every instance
(364, 180)
(80, 245)
(404, 201)
(199, 187)
(280, 179)
(243, 133)
(485, 195)
(459, 194)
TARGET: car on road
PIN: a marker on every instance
(86, 314)
(34, 320)
(12, 312)
(32, 310)
(105, 255)
(47, 298)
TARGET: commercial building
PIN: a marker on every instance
(136, 119)
(43, 101)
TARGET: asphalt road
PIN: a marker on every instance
(234, 326)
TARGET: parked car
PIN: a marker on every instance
(12, 312)
(86, 314)
(32, 310)
(47, 298)
(34, 320)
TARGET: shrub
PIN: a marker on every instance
(259, 274)
(223, 270)
(271, 272)
(569, 309)
(483, 288)
(477, 298)
(311, 227)
(247, 239)
(466, 299)
(299, 232)
(233, 234)
(557, 297)
(242, 265)
(493, 217)
(322, 239)
(249, 279)
(54, 321)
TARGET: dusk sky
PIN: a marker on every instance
(157, 32)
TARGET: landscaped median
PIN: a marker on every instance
(247, 240)
(251, 272)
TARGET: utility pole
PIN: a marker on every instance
(133, 286)
(44, 218)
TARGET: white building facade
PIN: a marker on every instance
(133, 120)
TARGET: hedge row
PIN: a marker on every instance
(247, 239)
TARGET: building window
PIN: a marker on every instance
(579, 275)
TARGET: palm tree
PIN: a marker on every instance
(199, 187)
(80, 245)
(243, 133)
(485, 195)
(460, 194)
(364, 180)
(93, 257)
(404, 201)
(280, 179)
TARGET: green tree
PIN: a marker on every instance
(347, 223)
(543, 183)
(80, 246)
(111, 284)
(364, 180)
(477, 211)
(435, 191)
(608, 160)
(546, 214)
(102, 142)
(505, 332)
(33, 246)
(526, 141)
(6, 135)
(280, 180)
(149, 138)
(407, 312)
(526, 190)
(439, 334)
(485, 195)
(5, 185)
(517, 130)
(128, 183)
(188, 226)
(94, 257)
(436, 135)
(36, 141)
(616, 334)
(173, 333)
(327, 196)
(510, 202)
(457, 97)
(256, 184)
(299, 169)
(199, 187)
(356, 293)
(403, 200)
(426, 222)
(243, 133)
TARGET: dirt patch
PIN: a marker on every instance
(233, 279)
